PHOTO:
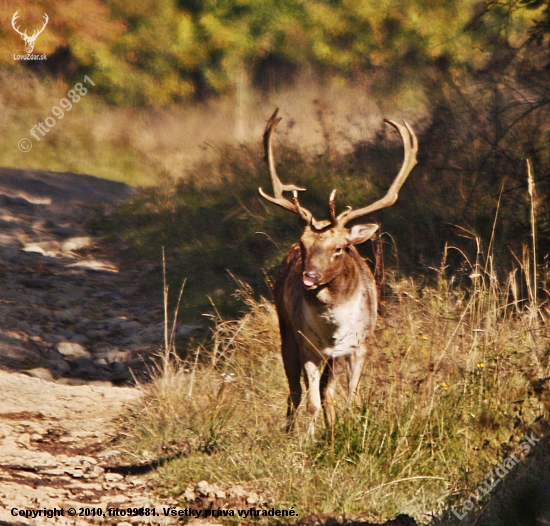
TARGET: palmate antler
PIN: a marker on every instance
(410, 145)
(29, 40)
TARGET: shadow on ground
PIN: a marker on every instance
(73, 308)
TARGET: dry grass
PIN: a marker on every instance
(448, 393)
(144, 146)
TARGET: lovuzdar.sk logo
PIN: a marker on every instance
(29, 40)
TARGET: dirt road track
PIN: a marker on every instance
(73, 323)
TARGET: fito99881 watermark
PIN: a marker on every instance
(65, 104)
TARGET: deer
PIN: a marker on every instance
(325, 293)
(29, 40)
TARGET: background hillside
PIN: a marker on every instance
(174, 80)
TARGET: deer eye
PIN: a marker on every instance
(338, 250)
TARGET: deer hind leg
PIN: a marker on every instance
(328, 388)
(293, 370)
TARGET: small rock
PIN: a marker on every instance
(61, 367)
(220, 494)
(72, 350)
(97, 471)
(40, 372)
(237, 491)
(189, 494)
(24, 439)
(87, 493)
(55, 472)
(118, 356)
(76, 473)
(117, 499)
(76, 243)
(89, 460)
(203, 487)
(29, 475)
(70, 315)
(113, 477)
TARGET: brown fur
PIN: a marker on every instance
(328, 324)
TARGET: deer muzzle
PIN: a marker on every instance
(311, 278)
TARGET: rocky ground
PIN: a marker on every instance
(74, 324)
(71, 310)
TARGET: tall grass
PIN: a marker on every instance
(145, 146)
(446, 393)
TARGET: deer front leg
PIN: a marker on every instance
(312, 377)
(328, 390)
(354, 369)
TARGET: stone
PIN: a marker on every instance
(24, 439)
(61, 367)
(76, 243)
(42, 373)
(53, 430)
(72, 350)
(116, 356)
(113, 477)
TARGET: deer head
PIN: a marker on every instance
(324, 243)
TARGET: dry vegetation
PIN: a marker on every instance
(143, 145)
(456, 378)
(460, 360)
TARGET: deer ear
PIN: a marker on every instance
(360, 233)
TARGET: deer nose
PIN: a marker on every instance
(311, 277)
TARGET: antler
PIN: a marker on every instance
(13, 19)
(410, 146)
(278, 187)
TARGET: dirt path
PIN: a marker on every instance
(53, 454)
(73, 323)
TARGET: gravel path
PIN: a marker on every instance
(74, 322)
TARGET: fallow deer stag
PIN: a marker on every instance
(325, 293)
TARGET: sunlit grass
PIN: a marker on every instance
(446, 393)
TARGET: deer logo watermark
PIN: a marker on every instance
(29, 40)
